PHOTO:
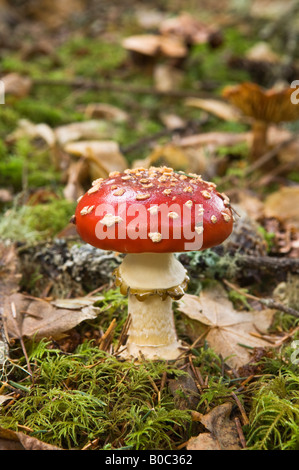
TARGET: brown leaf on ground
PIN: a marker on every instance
(185, 391)
(283, 205)
(92, 129)
(104, 111)
(223, 433)
(16, 85)
(36, 318)
(11, 440)
(9, 269)
(101, 156)
(41, 132)
(216, 107)
(227, 330)
(77, 173)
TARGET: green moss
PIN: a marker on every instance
(269, 237)
(40, 111)
(9, 120)
(33, 223)
(274, 418)
(26, 164)
(90, 395)
(82, 56)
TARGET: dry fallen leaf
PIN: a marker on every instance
(102, 156)
(262, 52)
(223, 433)
(77, 173)
(16, 85)
(32, 131)
(172, 121)
(93, 129)
(11, 440)
(217, 139)
(171, 154)
(283, 205)
(36, 318)
(105, 111)
(9, 269)
(53, 13)
(193, 153)
(226, 328)
(216, 107)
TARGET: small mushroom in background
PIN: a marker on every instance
(149, 48)
(263, 107)
(191, 31)
(150, 214)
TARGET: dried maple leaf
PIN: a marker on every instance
(227, 330)
(223, 433)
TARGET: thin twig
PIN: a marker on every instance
(240, 432)
(163, 133)
(106, 338)
(123, 333)
(269, 303)
(241, 408)
(162, 385)
(115, 87)
(197, 375)
(270, 263)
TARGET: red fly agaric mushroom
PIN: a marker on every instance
(149, 214)
(264, 107)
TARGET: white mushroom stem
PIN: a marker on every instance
(152, 332)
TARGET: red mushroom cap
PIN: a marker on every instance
(155, 210)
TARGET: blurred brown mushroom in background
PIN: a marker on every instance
(149, 48)
(191, 31)
(263, 107)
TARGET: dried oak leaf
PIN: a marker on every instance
(37, 318)
(223, 433)
(227, 330)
